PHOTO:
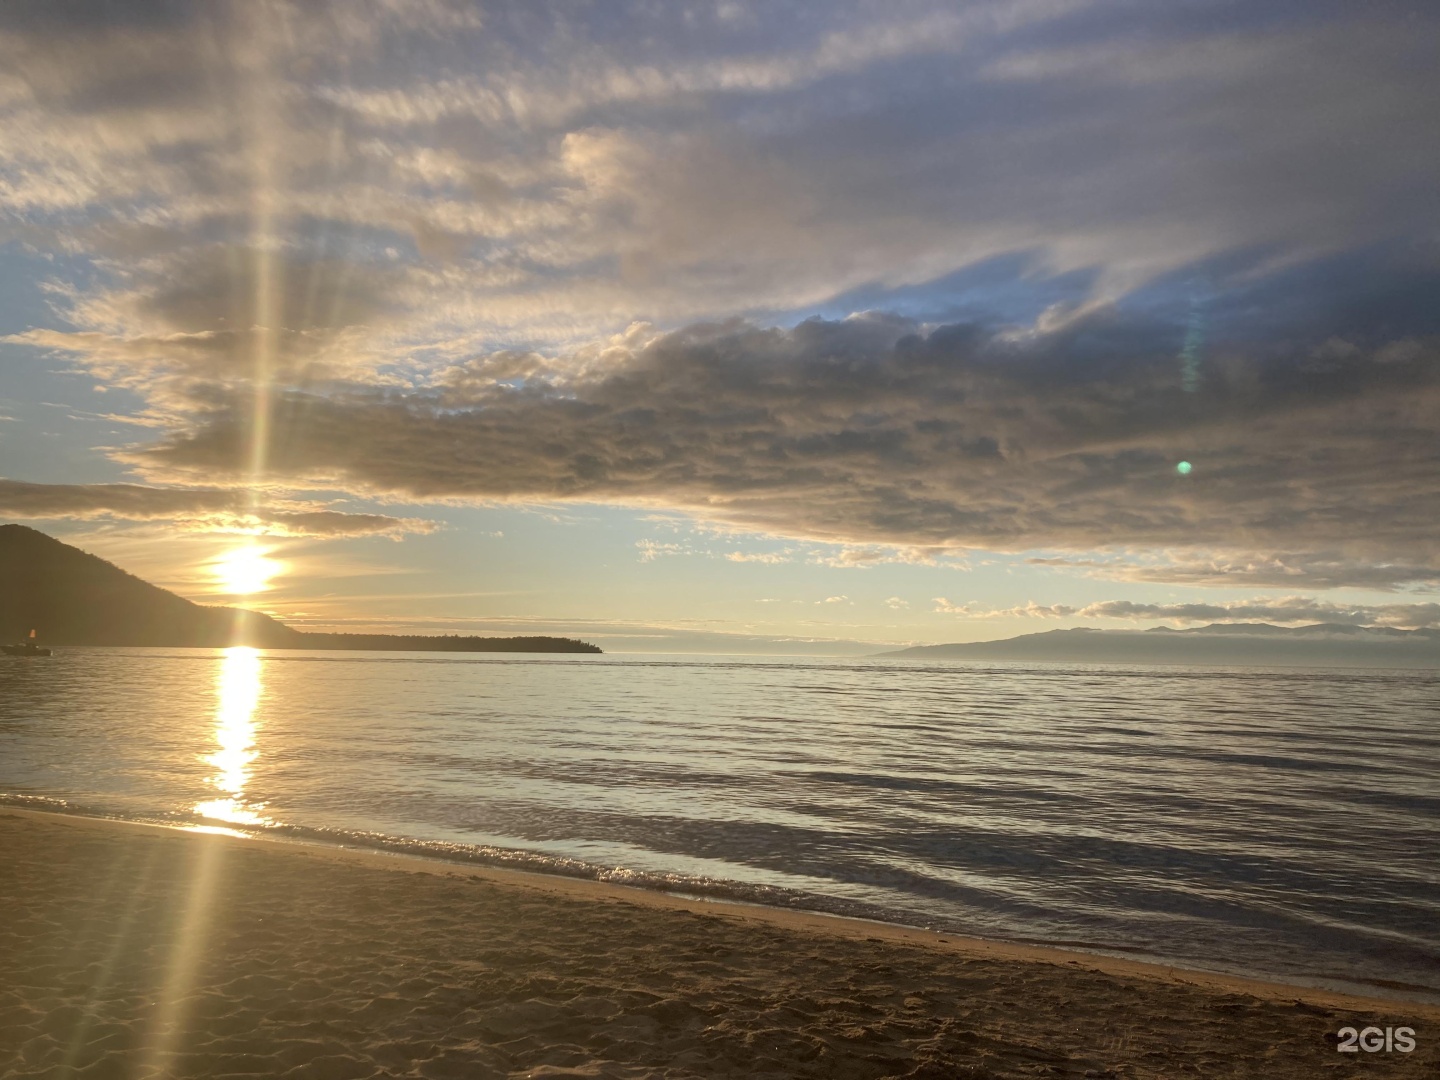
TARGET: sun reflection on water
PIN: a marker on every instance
(238, 690)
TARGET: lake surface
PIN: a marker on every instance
(1276, 823)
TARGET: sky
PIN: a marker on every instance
(727, 326)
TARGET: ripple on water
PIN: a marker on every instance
(1274, 822)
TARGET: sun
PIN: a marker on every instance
(244, 570)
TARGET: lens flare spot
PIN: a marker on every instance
(1184, 468)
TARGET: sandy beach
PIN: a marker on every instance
(136, 951)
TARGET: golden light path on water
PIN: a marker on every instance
(238, 689)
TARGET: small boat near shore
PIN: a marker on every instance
(28, 647)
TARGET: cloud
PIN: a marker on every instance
(1287, 610)
(127, 501)
(183, 327)
(769, 558)
(1029, 610)
(851, 556)
(557, 254)
(894, 603)
(549, 174)
(336, 523)
(218, 510)
(872, 433)
(650, 550)
(1316, 570)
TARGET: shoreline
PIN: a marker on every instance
(132, 950)
(845, 926)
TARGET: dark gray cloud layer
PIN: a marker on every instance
(869, 430)
(210, 508)
(1270, 569)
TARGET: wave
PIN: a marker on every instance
(692, 886)
(699, 886)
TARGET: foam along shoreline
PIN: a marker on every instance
(134, 948)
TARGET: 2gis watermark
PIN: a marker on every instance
(1373, 1040)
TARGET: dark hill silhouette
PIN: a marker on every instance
(75, 598)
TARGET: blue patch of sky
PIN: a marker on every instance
(56, 414)
(1004, 290)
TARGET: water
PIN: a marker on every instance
(1276, 823)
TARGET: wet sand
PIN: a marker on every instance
(134, 951)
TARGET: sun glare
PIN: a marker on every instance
(238, 696)
(244, 570)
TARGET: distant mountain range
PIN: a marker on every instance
(1220, 644)
(73, 598)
